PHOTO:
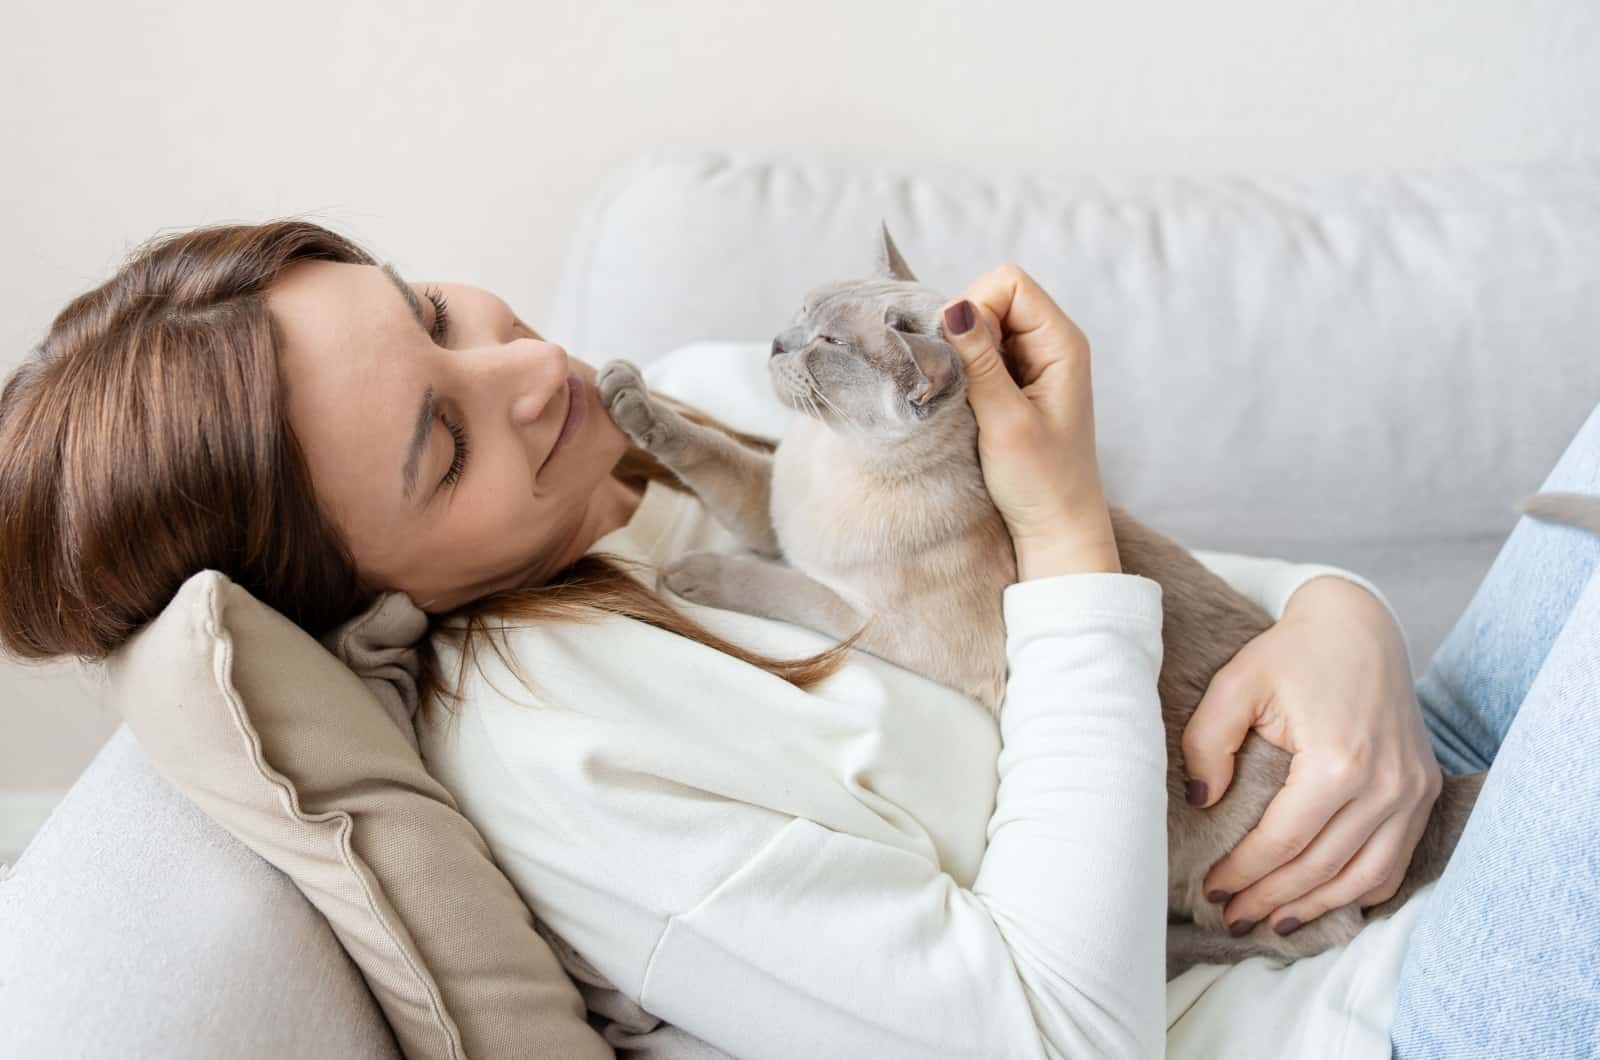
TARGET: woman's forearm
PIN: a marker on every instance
(1075, 870)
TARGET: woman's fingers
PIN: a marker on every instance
(1374, 863)
(1285, 892)
(1038, 334)
(1407, 838)
(991, 392)
(1232, 704)
(1294, 817)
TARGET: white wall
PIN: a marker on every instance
(459, 139)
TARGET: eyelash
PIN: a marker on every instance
(441, 329)
(441, 313)
(459, 463)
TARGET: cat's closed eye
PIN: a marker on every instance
(901, 322)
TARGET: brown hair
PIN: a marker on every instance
(147, 439)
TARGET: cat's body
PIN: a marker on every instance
(888, 531)
(918, 547)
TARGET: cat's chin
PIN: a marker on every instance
(791, 395)
(792, 405)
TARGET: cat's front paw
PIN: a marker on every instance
(651, 425)
(702, 578)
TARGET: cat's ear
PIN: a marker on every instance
(889, 261)
(935, 361)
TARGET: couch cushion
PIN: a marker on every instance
(1363, 371)
(134, 926)
(280, 742)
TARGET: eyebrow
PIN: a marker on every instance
(424, 422)
(419, 442)
(413, 303)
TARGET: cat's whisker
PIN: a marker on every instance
(846, 420)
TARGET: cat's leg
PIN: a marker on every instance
(1189, 943)
(762, 587)
(733, 480)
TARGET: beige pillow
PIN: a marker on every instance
(281, 743)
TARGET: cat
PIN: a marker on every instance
(871, 519)
(1569, 509)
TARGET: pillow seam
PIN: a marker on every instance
(222, 676)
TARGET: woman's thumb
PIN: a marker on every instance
(990, 387)
(1216, 731)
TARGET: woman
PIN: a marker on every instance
(830, 873)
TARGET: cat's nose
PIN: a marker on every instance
(777, 346)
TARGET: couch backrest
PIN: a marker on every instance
(1365, 370)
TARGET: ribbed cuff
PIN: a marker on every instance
(1064, 600)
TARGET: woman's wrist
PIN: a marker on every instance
(1080, 540)
(1047, 559)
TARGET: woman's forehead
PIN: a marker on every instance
(339, 323)
(315, 297)
(347, 356)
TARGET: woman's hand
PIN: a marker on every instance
(1329, 682)
(1036, 442)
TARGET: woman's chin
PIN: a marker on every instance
(610, 443)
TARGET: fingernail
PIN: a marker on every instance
(1197, 793)
(1286, 925)
(1241, 927)
(1218, 897)
(958, 318)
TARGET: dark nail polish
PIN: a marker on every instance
(1197, 793)
(1286, 925)
(958, 318)
(1218, 897)
(1241, 927)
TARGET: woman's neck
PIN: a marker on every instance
(610, 506)
(613, 504)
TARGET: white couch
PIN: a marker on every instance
(1365, 371)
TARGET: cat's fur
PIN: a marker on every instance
(1571, 509)
(876, 500)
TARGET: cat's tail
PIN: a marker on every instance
(1450, 812)
(1571, 509)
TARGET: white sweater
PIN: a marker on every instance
(876, 868)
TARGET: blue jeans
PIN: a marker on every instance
(1505, 959)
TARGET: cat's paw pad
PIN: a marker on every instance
(640, 416)
(697, 577)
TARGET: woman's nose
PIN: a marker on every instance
(537, 375)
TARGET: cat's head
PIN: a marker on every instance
(868, 355)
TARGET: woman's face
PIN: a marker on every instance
(458, 454)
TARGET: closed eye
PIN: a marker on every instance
(441, 314)
(905, 324)
(458, 461)
(830, 340)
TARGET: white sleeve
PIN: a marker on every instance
(831, 944)
(1270, 582)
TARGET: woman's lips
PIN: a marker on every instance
(576, 408)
